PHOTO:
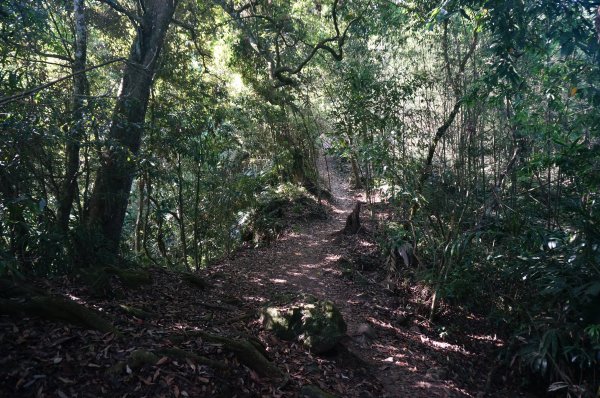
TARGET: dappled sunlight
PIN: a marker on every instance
(256, 280)
(254, 299)
(78, 300)
(385, 325)
(442, 346)
(277, 280)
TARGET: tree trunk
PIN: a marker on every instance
(108, 203)
(182, 232)
(139, 222)
(353, 221)
(197, 252)
(80, 89)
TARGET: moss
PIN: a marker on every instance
(319, 325)
(285, 323)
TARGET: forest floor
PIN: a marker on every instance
(391, 350)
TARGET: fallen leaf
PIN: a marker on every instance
(162, 361)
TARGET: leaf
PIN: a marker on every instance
(573, 91)
(162, 361)
(557, 386)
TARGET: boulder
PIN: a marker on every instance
(319, 325)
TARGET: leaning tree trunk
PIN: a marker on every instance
(80, 85)
(108, 203)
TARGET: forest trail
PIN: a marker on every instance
(390, 350)
(396, 356)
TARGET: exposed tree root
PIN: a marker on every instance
(57, 309)
(248, 354)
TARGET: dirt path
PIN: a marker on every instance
(391, 350)
(405, 358)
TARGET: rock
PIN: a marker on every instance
(319, 325)
(310, 391)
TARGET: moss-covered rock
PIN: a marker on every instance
(319, 325)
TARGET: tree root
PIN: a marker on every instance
(247, 352)
(58, 309)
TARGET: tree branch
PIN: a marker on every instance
(282, 73)
(135, 19)
(193, 34)
(15, 97)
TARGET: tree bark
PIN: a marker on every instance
(80, 89)
(108, 203)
